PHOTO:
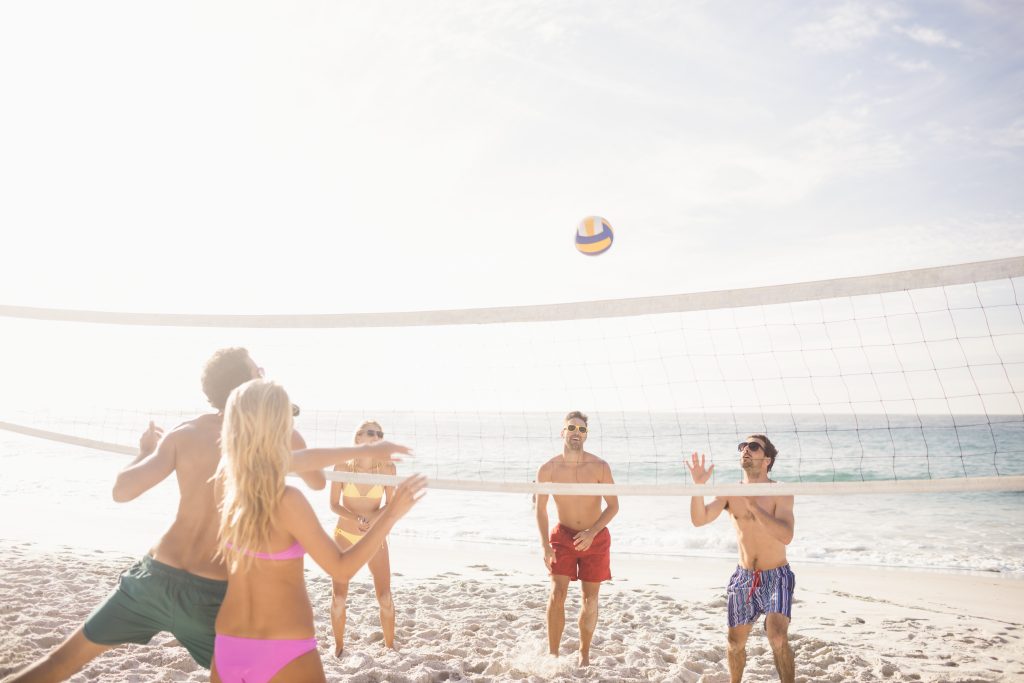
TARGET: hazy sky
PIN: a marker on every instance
(337, 156)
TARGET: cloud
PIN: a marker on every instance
(1011, 136)
(736, 175)
(847, 27)
(912, 66)
(932, 37)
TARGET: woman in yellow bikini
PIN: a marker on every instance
(358, 506)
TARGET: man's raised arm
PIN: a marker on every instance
(151, 466)
(701, 514)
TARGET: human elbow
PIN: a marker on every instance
(314, 479)
(121, 494)
(344, 574)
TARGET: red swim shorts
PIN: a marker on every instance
(591, 565)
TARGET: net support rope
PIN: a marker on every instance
(1008, 483)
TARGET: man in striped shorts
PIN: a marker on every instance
(763, 582)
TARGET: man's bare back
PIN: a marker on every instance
(191, 449)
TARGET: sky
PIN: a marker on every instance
(330, 157)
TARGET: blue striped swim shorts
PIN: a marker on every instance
(753, 592)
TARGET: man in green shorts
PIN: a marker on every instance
(178, 586)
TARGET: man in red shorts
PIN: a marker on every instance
(578, 547)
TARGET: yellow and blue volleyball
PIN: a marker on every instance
(594, 236)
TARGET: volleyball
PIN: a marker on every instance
(594, 236)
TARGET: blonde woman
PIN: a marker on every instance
(265, 624)
(358, 507)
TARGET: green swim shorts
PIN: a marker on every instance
(152, 597)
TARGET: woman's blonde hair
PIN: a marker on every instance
(255, 442)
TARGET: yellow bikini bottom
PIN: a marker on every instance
(352, 538)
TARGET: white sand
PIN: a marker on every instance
(477, 613)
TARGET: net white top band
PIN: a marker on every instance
(982, 271)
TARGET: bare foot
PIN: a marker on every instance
(339, 651)
(584, 659)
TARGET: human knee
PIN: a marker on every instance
(737, 641)
(589, 606)
(558, 594)
(340, 590)
(778, 638)
(385, 601)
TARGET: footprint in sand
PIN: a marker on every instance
(477, 667)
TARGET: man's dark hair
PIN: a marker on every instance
(226, 369)
(576, 415)
(769, 448)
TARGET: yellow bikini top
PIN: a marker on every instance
(350, 490)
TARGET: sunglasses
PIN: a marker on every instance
(752, 445)
(372, 432)
(573, 428)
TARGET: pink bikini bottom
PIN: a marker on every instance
(252, 660)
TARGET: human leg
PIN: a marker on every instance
(741, 614)
(380, 568)
(339, 595)
(775, 599)
(66, 660)
(776, 626)
(138, 609)
(588, 619)
(738, 651)
(196, 603)
(556, 611)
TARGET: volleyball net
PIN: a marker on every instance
(901, 382)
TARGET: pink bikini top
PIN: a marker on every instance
(292, 553)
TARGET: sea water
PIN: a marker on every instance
(57, 495)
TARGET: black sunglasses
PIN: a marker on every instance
(372, 432)
(752, 445)
(573, 428)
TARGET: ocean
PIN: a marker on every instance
(57, 495)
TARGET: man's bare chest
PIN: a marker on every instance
(585, 473)
(742, 515)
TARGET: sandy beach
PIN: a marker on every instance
(476, 612)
